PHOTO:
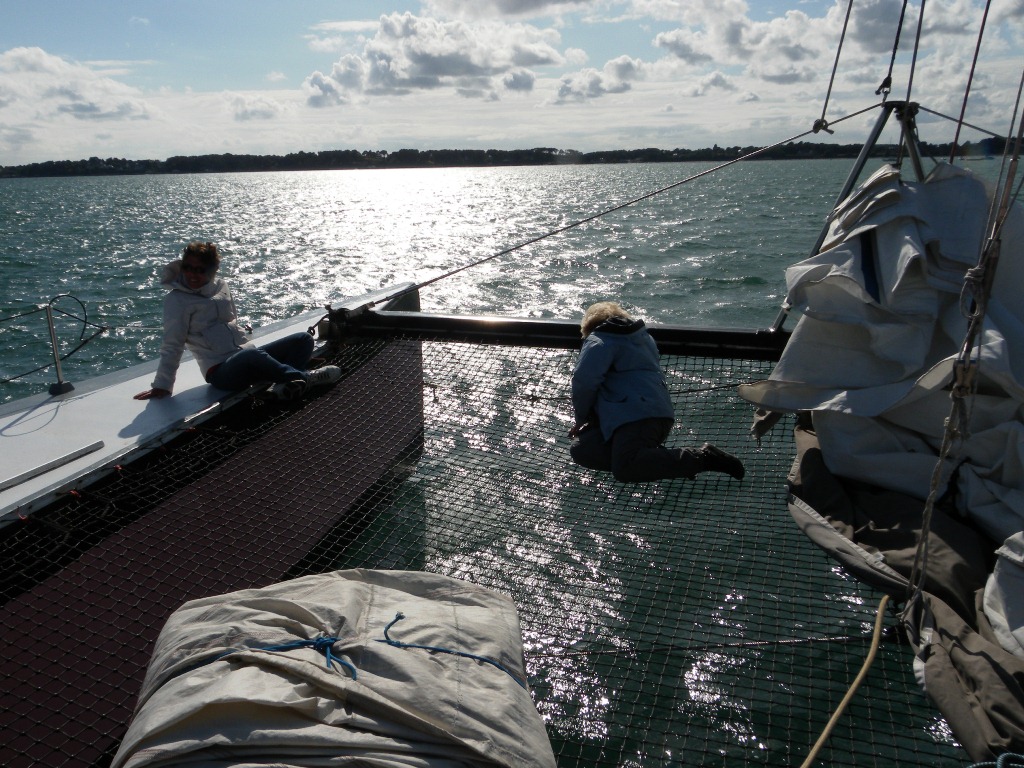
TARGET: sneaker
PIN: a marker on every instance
(289, 390)
(327, 374)
(717, 460)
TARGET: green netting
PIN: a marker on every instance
(668, 623)
(665, 623)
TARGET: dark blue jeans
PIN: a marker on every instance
(279, 361)
(635, 453)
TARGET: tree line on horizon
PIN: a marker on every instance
(350, 159)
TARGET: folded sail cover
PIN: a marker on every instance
(303, 673)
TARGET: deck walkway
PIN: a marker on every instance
(51, 444)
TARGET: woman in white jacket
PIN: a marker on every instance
(199, 314)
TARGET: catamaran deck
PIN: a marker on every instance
(664, 623)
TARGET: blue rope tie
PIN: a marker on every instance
(321, 644)
(398, 644)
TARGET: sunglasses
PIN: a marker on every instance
(197, 269)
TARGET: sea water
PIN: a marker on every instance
(709, 252)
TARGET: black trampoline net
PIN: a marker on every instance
(665, 623)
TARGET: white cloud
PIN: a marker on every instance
(253, 107)
(412, 53)
(42, 85)
(346, 27)
(616, 76)
(684, 44)
(337, 36)
(714, 81)
(322, 91)
(519, 80)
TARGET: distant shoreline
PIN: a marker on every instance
(351, 159)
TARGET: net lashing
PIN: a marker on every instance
(665, 623)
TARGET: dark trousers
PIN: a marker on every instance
(279, 361)
(635, 453)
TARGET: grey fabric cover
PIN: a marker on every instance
(869, 368)
(407, 707)
(959, 658)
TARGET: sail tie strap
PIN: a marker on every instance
(398, 644)
(323, 644)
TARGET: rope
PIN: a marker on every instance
(872, 652)
(321, 644)
(398, 644)
(977, 289)
(970, 81)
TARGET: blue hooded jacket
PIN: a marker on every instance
(618, 377)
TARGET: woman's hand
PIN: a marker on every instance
(154, 394)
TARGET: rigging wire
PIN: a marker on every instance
(84, 320)
(27, 313)
(886, 87)
(952, 119)
(917, 49)
(970, 81)
(821, 124)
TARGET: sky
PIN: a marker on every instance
(151, 79)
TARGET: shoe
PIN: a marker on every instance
(289, 390)
(327, 374)
(716, 460)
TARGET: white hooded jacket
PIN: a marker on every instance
(204, 320)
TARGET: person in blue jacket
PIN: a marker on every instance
(623, 410)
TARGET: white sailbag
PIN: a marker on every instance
(373, 668)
